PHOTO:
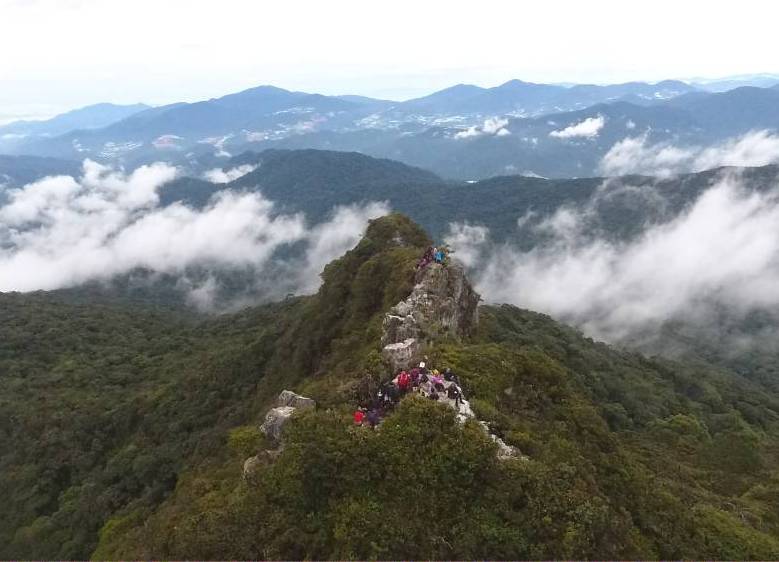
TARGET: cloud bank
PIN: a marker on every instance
(636, 155)
(218, 175)
(494, 126)
(62, 231)
(721, 253)
(589, 128)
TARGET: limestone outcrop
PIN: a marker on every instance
(289, 398)
(286, 404)
(442, 305)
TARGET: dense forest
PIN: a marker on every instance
(123, 428)
(314, 181)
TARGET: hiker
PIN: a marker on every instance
(414, 374)
(373, 418)
(454, 394)
(450, 376)
(439, 256)
(428, 257)
(393, 393)
(385, 393)
(422, 369)
(359, 416)
(404, 382)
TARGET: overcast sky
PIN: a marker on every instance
(60, 54)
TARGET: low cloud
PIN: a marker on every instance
(63, 231)
(218, 175)
(493, 126)
(722, 253)
(589, 128)
(167, 142)
(636, 155)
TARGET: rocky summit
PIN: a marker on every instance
(442, 305)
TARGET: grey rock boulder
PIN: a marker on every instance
(253, 464)
(289, 398)
(402, 355)
(287, 404)
(275, 420)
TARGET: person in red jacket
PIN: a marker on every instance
(404, 382)
(359, 416)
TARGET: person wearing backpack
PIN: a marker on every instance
(454, 394)
(450, 376)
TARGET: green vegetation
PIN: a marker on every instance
(123, 430)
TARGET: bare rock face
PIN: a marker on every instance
(250, 466)
(443, 304)
(289, 398)
(253, 464)
(287, 404)
(275, 420)
(402, 355)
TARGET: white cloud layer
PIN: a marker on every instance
(635, 155)
(494, 126)
(723, 252)
(218, 175)
(61, 232)
(589, 128)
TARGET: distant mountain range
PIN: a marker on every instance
(463, 132)
(89, 117)
(732, 82)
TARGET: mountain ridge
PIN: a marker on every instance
(131, 467)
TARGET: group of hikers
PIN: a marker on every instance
(431, 384)
(432, 254)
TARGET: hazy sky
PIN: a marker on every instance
(59, 54)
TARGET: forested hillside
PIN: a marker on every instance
(123, 431)
(313, 181)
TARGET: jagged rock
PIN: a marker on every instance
(402, 355)
(289, 398)
(397, 328)
(506, 451)
(252, 464)
(288, 402)
(442, 304)
(464, 412)
(275, 420)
